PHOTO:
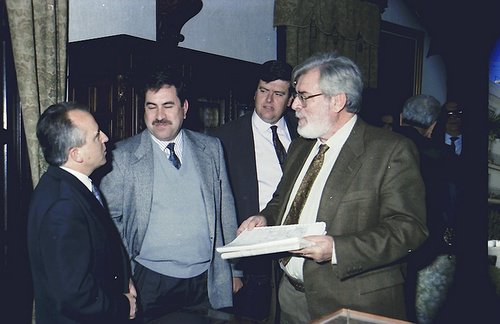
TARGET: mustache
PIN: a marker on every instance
(162, 122)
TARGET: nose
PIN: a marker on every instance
(159, 114)
(295, 103)
(105, 137)
(269, 96)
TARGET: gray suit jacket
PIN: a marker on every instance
(128, 192)
(373, 205)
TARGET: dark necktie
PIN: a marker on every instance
(278, 146)
(453, 139)
(97, 193)
(172, 157)
(304, 189)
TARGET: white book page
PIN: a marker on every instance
(262, 237)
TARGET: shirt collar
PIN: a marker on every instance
(178, 140)
(80, 176)
(340, 136)
(263, 126)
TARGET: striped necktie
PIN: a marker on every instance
(172, 157)
(97, 194)
(278, 146)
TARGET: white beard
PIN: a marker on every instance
(315, 127)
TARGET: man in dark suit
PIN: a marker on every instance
(169, 195)
(367, 188)
(255, 169)
(80, 269)
(425, 295)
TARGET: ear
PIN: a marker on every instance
(290, 100)
(428, 132)
(74, 155)
(185, 107)
(338, 102)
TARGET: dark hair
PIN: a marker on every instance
(57, 134)
(275, 70)
(166, 77)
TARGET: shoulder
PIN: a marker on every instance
(200, 138)
(236, 126)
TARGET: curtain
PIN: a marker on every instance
(39, 35)
(349, 27)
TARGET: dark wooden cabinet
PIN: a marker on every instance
(106, 74)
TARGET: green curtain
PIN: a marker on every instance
(39, 32)
(349, 27)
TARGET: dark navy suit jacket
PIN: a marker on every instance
(80, 269)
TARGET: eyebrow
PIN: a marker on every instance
(162, 104)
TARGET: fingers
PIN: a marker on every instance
(252, 222)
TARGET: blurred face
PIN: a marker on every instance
(387, 121)
(454, 118)
(271, 100)
(92, 154)
(163, 113)
(316, 119)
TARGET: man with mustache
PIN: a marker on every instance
(169, 195)
(363, 181)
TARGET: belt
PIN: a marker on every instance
(299, 286)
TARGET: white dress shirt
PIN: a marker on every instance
(268, 168)
(178, 147)
(80, 176)
(310, 210)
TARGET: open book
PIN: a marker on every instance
(271, 239)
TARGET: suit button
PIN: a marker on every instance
(115, 277)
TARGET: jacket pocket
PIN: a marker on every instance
(379, 279)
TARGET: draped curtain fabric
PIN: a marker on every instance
(38, 30)
(349, 27)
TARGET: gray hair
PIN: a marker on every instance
(421, 110)
(338, 74)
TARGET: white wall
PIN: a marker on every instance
(90, 19)
(240, 29)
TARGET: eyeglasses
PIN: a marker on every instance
(303, 99)
(455, 113)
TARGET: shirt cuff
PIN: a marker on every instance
(334, 255)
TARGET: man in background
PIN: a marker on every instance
(431, 267)
(169, 195)
(255, 148)
(363, 181)
(80, 269)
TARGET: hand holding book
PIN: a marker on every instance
(271, 239)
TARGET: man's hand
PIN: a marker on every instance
(237, 284)
(321, 251)
(132, 299)
(251, 222)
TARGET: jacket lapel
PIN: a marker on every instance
(205, 167)
(345, 169)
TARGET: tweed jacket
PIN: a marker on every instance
(79, 267)
(374, 207)
(128, 190)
